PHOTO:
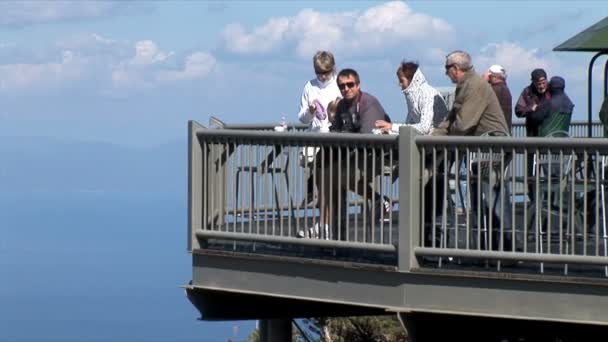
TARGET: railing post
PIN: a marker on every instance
(409, 198)
(195, 184)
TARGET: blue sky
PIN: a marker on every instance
(76, 76)
(133, 73)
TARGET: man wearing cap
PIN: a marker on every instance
(529, 101)
(497, 77)
(531, 97)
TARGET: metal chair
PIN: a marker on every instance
(275, 163)
(486, 192)
(552, 175)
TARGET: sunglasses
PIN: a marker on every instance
(345, 85)
(327, 73)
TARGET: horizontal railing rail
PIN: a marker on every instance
(577, 129)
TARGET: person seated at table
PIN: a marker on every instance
(476, 111)
(426, 107)
(357, 113)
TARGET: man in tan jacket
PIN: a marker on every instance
(476, 109)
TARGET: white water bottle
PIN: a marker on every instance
(282, 127)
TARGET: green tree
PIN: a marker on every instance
(345, 329)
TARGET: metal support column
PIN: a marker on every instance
(275, 330)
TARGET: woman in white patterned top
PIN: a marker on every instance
(426, 107)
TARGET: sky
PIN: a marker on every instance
(95, 99)
(134, 72)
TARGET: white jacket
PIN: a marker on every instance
(313, 90)
(420, 98)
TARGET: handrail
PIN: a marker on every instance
(299, 137)
(214, 121)
(513, 142)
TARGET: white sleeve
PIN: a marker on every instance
(426, 113)
(395, 127)
(304, 115)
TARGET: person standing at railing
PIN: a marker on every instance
(426, 107)
(476, 111)
(554, 115)
(531, 97)
(317, 94)
(604, 116)
(497, 77)
(324, 180)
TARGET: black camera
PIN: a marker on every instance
(351, 122)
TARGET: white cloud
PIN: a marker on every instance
(99, 64)
(19, 76)
(21, 13)
(197, 65)
(384, 26)
(262, 39)
(147, 53)
(517, 60)
(150, 65)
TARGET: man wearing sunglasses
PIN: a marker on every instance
(476, 111)
(358, 112)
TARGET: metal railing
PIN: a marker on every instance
(255, 188)
(559, 217)
(539, 201)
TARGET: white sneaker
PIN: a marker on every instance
(383, 210)
(326, 232)
(312, 232)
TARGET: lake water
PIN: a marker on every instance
(99, 267)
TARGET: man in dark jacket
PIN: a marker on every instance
(497, 77)
(527, 103)
(554, 115)
(531, 97)
(604, 116)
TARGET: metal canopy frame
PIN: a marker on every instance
(577, 44)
